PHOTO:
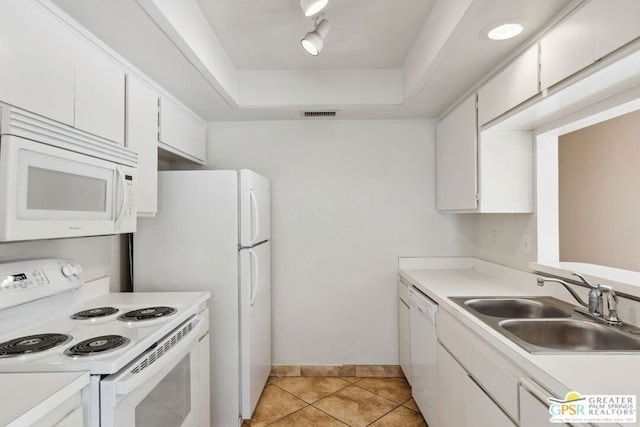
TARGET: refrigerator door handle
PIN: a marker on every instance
(254, 210)
(255, 279)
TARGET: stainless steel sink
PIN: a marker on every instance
(572, 335)
(549, 325)
(516, 308)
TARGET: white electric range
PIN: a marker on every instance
(142, 350)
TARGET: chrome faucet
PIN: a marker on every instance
(595, 305)
(612, 305)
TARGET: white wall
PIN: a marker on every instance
(99, 256)
(511, 230)
(348, 198)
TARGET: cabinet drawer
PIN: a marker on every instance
(493, 372)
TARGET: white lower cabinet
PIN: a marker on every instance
(534, 405)
(461, 401)
(404, 333)
(480, 410)
(477, 386)
(451, 378)
(74, 419)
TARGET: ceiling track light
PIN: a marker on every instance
(311, 7)
(313, 41)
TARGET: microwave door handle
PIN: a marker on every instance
(120, 180)
(254, 210)
(127, 382)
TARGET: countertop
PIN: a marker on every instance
(559, 373)
(28, 397)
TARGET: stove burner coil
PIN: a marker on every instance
(93, 313)
(97, 345)
(32, 344)
(147, 313)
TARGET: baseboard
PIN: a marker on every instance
(360, 371)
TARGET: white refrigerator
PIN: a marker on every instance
(212, 233)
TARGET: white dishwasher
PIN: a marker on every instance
(423, 353)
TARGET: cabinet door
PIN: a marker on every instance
(616, 23)
(404, 338)
(506, 171)
(142, 137)
(100, 94)
(37, 57)
(181, 132)
(480, 410)
(516, 83)
(456, 158)
(534, 406)
(568, 48)
(451, 379)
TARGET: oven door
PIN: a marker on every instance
(160, 388)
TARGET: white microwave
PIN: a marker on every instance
(57, 181)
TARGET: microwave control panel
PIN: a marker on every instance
(129, 196)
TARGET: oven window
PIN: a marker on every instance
(53, 190)
(169, 403)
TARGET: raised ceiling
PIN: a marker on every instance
(365, 34)
(241, 59)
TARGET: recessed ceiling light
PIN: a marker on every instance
(311, 7)
(505, 31)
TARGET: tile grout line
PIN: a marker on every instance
(286, 415)
(346, 385)
(384, 415)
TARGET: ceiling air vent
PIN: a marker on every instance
(316, 114)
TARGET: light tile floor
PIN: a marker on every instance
(336, 402)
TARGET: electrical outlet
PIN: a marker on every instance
(526, 244)
(494, 238)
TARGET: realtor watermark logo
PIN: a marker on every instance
(576, 408)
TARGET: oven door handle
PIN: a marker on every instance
(127, 381)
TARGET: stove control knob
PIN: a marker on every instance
(68, 270)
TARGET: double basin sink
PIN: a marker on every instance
(548, 325)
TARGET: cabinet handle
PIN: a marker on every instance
(536, 390)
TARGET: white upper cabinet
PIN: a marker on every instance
(181, 132)
(142, 137)
(615, 24)
(505, 171)
(513, 85)
(488, 172)
(456, 158)
(37, 57)
(99, 94)
(568, 48)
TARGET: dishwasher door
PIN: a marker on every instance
(423, 353)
